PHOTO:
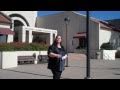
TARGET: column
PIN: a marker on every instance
(23, 35)
(12, 25)
(30, 36)
(55, 34)
(51, 38)
(10, 37)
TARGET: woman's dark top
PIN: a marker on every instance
(56, 63)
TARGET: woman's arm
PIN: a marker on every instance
(54, 55)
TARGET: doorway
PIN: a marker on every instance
(17, 25)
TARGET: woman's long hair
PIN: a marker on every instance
(55, 43)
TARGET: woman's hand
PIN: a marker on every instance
(64, 57)
(59, 56)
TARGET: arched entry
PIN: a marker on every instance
(20, 18)
(17, 25)
(18, 21)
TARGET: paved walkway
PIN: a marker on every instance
(100, 69)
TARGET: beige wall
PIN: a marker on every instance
(109, 36)
(104, 36)
(94, 38)
(77, 24)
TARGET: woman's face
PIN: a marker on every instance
(59, 39)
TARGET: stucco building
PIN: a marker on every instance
(23, 23)
(26, 26)
(100, 31)
(6, 32)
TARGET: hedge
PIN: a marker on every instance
(23, 47)
(117, 54)
(106, 46)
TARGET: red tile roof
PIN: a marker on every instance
(80, 35)
(5, 19)
(108, 26)
(6, 31)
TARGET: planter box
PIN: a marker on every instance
(8, 59)
(108, 54)
(43, 53)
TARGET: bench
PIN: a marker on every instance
(43, 58)
(26, 59)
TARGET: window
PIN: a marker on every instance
(82, 43)
(3, 38)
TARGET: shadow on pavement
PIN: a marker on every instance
(27, 73)
(34, 74)
(116, 73)
(99, 68)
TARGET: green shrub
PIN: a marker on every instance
(117, 54)
(23, 47)
(6, 47)
(106, 46)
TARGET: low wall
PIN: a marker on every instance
(8, 59)
(108, 54)
(0, 59)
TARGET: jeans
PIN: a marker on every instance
(56, 74)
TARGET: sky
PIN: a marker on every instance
(102, 15)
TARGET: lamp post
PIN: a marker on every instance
(67, 20)
(88, 48)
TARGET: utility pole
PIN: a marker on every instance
(67, 20)
(88, 46)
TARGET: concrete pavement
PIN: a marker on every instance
(100, 69)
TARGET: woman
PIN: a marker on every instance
(57, 56)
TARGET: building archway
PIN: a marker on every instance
(20, 18)
(18, 21)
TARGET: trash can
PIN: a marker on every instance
(98, 55)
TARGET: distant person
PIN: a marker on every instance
(57, 56)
